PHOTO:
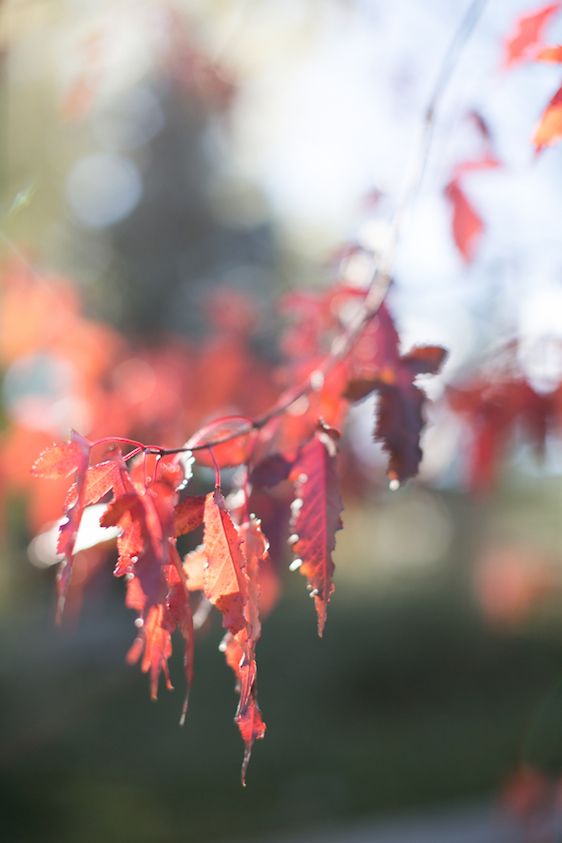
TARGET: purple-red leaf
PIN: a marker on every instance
(316, 518)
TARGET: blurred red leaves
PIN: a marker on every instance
(527, 43)
(494, 407)
(526, 38)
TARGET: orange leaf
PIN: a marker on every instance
(553, 54)
(549, 130)
(225, 582)
(58, 460)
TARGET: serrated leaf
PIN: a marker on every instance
(225, 584)
(316, 518)
(58, 460)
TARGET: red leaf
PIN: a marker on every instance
(179, 615)
(100, 480)
(549, 130)
(73, 513)
(400, 409)
(467, 224)
(148, 556)
(398, 426)
(316, 518)
(400, 416)
(229, 454)
(240, 649)
(527, 36)
(493, 408)
(378, 347)
(58, 460)
(188, 514)
(225, 581)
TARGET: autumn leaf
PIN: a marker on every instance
(526, 38)
(147, 554)
(316, 518)
(240, 649)
(58, 460)
(63, 460)
(468, 226)
(188, 514)
(179, 616)
(549, 130)
(225, 581)
(100, 480)
(400, 419)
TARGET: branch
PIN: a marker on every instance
(380, 280)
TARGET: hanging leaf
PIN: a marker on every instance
(225, 581)
(316, 517)
(62, 461)
(240, 649)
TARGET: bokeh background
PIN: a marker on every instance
(168, 171)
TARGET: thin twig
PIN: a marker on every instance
(380, 274)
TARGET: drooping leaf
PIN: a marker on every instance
(316, 518)
(73, 514)
(526, 38)
(398, 425)
(147, 555)
(240, 649)
(180, 616)
(225, 580)
(400, 418)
